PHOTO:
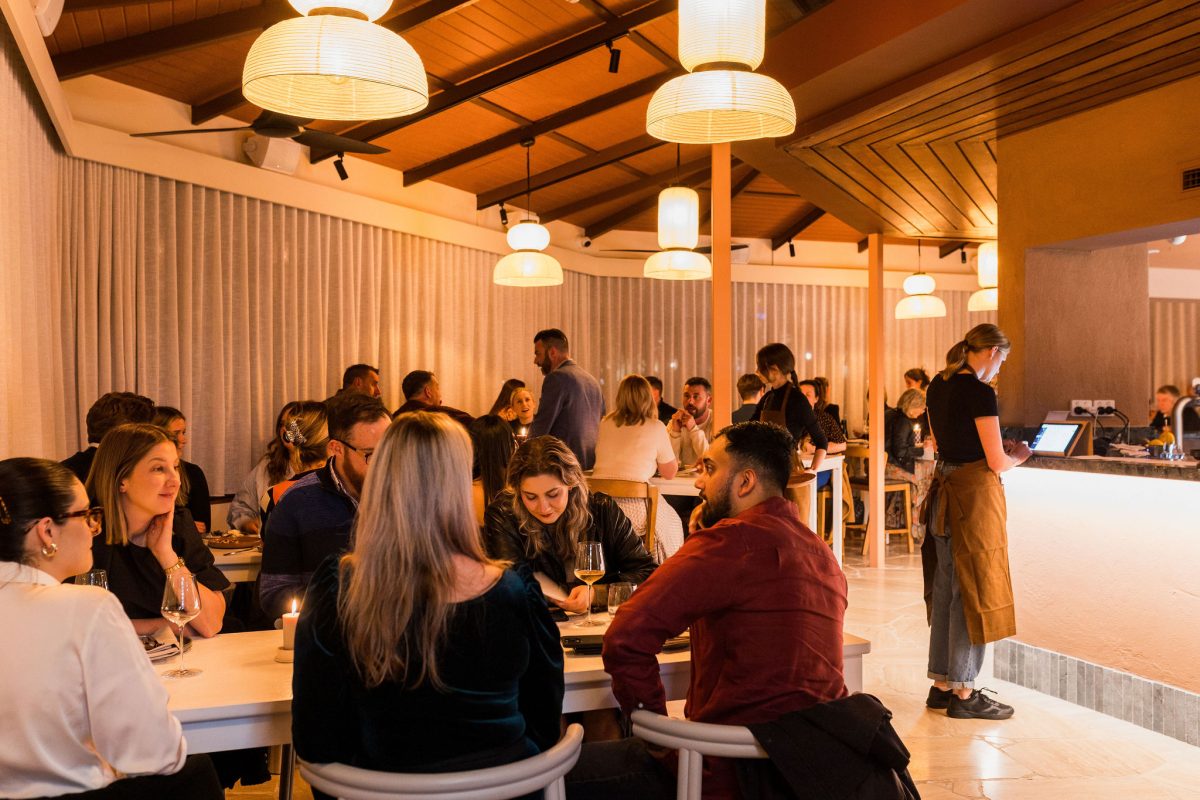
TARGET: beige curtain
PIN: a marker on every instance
(1174, 343)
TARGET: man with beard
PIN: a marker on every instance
(313, 519)
(764, 599)
(691, 428)
(571, 404)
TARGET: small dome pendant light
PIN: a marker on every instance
(528, 266)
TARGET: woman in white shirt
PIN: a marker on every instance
(83, 708)
(631, 445)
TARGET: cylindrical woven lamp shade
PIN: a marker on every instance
(336, 68)
(371, 9)
(984, 300)
(678, 217)
(920, 306)
(677, 265)
(988, 265)
(528, 235)
(527, 268)
(721, 31)
(919, 283)
(720, 106)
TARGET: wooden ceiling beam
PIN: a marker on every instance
(532, 130)
(798, 227)
(734, 191)
(564, 172)
(618, 218)
(655, 181)
(165, 41)
(231, 99)
(950, 247)
(523, 67)
(71, 6)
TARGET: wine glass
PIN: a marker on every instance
(589, 568)
(180, 605)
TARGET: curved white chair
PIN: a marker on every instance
(543, 771)
(694, 740)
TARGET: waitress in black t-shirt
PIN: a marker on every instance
(784, 404)
(971, 601)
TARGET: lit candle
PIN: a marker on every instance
(289, 626)
(917, 430)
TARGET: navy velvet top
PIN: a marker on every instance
(502, 664)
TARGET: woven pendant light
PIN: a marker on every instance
(721, 99)
(335, 66)
(678, 235)
(528, 266)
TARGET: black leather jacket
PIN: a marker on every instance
(625, 559)
(900, 439)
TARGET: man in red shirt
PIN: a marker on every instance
(763, 596)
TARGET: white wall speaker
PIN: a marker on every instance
(277, 155)
(47, 13)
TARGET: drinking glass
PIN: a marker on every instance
(618, 593)
(95, 577)
(181, 605)
(589, 568)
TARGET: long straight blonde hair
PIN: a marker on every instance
(397, 582)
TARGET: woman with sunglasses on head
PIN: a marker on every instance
(135, 478)
(74, 670)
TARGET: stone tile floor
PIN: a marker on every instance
(1050, 750)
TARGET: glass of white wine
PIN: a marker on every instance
(180, 605)
(589, 568)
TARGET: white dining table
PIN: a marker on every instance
(243, 697)
(684, 485)
(239, 566)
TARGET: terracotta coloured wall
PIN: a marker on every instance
(1096, 174)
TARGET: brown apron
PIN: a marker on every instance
(972, 504)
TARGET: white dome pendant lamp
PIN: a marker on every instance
(678, 235)
(528, 266)
(334, 63)
(722, 98)
(987, 267)
(920, 301)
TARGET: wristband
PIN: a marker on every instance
(177, 565)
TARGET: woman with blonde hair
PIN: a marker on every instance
(631, 445)
(193, 485)
(547, 510)
(415, 652)
(971, 599)
(905, 441)
(135, 479)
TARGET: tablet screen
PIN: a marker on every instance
(1056, 439)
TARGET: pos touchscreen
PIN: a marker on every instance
(1057, 438)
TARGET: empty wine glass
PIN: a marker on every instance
(589, 568)
(180, 605)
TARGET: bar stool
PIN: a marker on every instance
(859, 485)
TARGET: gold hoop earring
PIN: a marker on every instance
(49, 550)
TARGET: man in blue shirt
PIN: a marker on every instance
(312, 521)
(571, 404)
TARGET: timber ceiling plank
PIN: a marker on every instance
(970, 196)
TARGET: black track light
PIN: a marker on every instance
(963, 255)
(503, 215)
(791, 248)
(340, 166)
(614, 57)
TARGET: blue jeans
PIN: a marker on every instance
(952, 657)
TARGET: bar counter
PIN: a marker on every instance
(1105, 560)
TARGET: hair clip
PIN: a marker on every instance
(5, 517)
(292, 434)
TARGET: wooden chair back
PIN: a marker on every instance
(632, 490)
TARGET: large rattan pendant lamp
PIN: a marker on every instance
(721, 99)
(528, 266)
(335, 63)
(678, 235)
(920, 301)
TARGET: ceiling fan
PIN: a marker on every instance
(704, 248)
(281, 126)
